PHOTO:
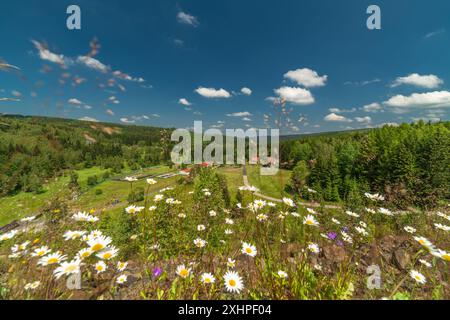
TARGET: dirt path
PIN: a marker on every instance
(308, 204)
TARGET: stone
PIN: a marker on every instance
(401, 259)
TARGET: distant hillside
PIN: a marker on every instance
(33, 149)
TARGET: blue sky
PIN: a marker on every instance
(319, 55)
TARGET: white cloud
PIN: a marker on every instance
(337, 110)
(110, 112)
(306, 77)
(186, 18)
(414, 79)
(246, 91)
(362, 83)
(365, 120)
(373, 107)
(126, 120)
(93, 63)
(184, 102)
(240, 114)
(75, 102)
(295, 95)
(333, 117)
(434, 33)
(246, 119)
(435, 99)
(9, 99)
(124, 76)
(89, 119)
(46, 54)
(213, 93)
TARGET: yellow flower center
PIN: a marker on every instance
(99, 268)
(422, 242)
(248, 250)
(71, 268)
(446, 257)
(184, 273)
(52, 260)
(309, 222)
(41, 253)
(207, 280)
(107, 255)
(85, 254)
(97, 247)
(232, 283)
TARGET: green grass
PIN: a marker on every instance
(25, 204)
(272, 186)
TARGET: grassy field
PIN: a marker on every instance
(24, 204)
(272, 186)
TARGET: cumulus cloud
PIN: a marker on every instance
(365, 120)
(126, 120)
(333, 117)
(184, 102)
(414, 79)
(213, 93)
(246, 91)
(93, 63)
(186, 18)
(75, 102)
(435, 99)
(89, 119)
(295, 95)
(46, 54)
(306, 77)
(240, 114)
(373, 107)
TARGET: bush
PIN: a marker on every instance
(136, 195)
(92, 180)
(98, 192)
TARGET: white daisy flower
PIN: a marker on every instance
(313, 247)
(310, 221)
(200, 243)
(233, 282)
(67, 268)
(420, 278)
(288, 202)
(84, 253)
(99, 243)
(121, 279)
(352, 214)
(207, 278)
(8, 236)
(100, 267)
(133, 209)
(73, 235)
(121, 266)
(231, 263)
(248, 249)
(108, 253)
(182, 271)
(201, 227)
(52, 258)
(409, 229)
(40, 252)
(151, 181)
(282, 274)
